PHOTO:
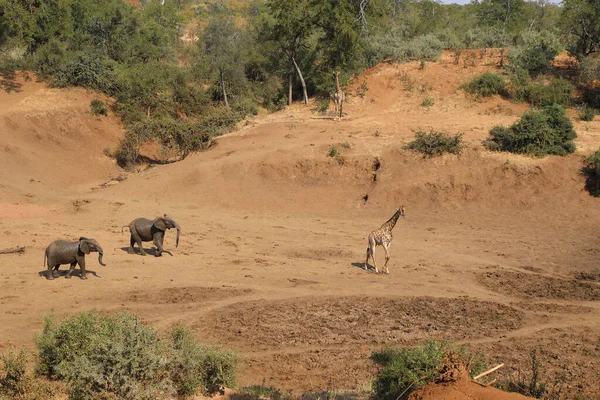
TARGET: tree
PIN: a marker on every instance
(581, 18)
(223, 46)
(503, 14)
(290, 26)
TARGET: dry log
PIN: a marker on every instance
(17, 249)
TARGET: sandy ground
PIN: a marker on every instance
(496, 251)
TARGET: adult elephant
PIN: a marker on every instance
(62, 252)
(146, 230)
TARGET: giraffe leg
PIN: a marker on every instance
(373, 258)
(341, 103)
(367, 260)
(387, 258)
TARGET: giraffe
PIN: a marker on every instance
(383, 237)
(338, 96)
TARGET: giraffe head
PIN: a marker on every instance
(401, 210)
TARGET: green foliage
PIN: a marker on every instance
(403, 370)
(13, 373)
(434, 143)
(427, 47)
(333, 151)
(393, 46)
(485, 85)
(538, 133)
(581, 19)
(535, 52)
(193, 366)
(591, 171)
(16, 383)
(558, 91)
(539, 93)
(99, 355)
(587, 113)
(428, 101)
(500, 14)
(98, 107)
(178, 136)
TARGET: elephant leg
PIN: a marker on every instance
(131, 243)
(73, 264)
(50, 274)
(142, 252)
(158, 241)
(55, 272)
(81, 262)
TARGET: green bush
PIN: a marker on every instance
(15, 383)
(99, 355)
(333, 151)
(558, 91)
(591, 171)
(98, 107)
(538, 133)
(587, 114)
(427, 102)
(535, 52)
(193, 366)
(434, 143)
(485, 85)
(404, 370)
(520, 84)
(426, 47)
(181, 137)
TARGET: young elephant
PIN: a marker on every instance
(145, 230)
(62, 252)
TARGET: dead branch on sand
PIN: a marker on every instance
(17, 249)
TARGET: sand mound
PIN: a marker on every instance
(454, 383)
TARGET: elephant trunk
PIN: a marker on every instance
(100, 254)
(178, 233)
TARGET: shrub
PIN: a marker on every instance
(403, 370)
(591, 171)
(428, 101)
(485, 85)
(558, 91)
(99, 355)
(520, 84)
(530, 387)
(587, 114)
(13, 373)
(98, 107)
(426, 47)
(536, 52)
(538, 133)
(434, 143)
(333, 151)
(193, 366)
(15, 383)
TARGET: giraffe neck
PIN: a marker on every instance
(337, 83)
(389, 225)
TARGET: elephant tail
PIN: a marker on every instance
(45, 255)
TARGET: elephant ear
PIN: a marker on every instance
(84, 246)
(159, 223)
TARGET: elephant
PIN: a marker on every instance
(63, 252)
(145, 230)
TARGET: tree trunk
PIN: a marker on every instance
(301, 80)
(223, 88)
(291, 84)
